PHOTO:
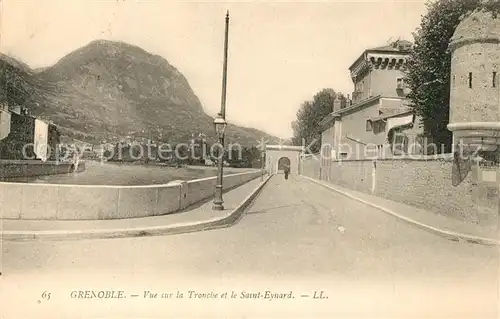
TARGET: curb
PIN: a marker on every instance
(456, 236)
(178, 228)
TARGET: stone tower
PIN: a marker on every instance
(475, 81)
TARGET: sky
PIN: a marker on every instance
(280, 52)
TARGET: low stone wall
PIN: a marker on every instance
(85, 202)
(421, 182)
(30, 168)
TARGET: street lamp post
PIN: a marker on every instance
(220, 126)
(262, 163)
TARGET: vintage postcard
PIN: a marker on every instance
(253, 159)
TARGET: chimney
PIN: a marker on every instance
(348, 101)
(336, 104)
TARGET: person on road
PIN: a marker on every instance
(287, 171)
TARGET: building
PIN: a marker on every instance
(377, 121)
(27, 134)
(5, 119)
(280, 156)
(475, 96)
(474, 83)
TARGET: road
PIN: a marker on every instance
(298, 236)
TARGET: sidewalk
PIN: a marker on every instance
(430, 221)
(194, 219)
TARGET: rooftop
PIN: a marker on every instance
(480, 25)
(399, 46)
(284, 147)
(396, 46)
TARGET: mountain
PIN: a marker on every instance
(16, 63)
(110, 90)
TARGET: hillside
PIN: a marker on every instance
(109, 90)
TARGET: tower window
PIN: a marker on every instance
(494, 80)
(470, 80)
(401, 84)
(453, 81)
(369, 126)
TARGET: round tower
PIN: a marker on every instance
(475, 81)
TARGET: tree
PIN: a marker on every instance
(310, 113)
(429, 64)
(247, 157)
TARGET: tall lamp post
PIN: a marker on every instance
(220, 127)
(262, 163)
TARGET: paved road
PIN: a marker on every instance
(297, 236)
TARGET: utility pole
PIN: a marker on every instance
(262, 154)
(220, 125)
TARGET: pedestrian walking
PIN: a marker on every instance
(287, 171)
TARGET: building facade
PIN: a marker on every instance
(5, 119)
(475, 99)
(377, 120)
(475, 77)
(29, 138)
(279, 156)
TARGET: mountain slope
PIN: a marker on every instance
(108, 90)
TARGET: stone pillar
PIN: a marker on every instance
(336, 104)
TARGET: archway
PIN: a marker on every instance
(278, 155)
(282, 163)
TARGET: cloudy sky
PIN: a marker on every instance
(280, 52)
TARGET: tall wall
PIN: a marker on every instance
(423, 183)
(483, 99)
(327, 138)
(328, 145)
(311, 167)
(86, 202)
(384, 82)
(362, 86)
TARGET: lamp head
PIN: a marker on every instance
(220, 124)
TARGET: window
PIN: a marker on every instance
(453, 81)
(470, 80)
(369, 126)
(400, 143)
(400, 83)
(378, 127)
(494, 80)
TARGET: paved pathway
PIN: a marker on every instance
(298, 236)
(488, 230)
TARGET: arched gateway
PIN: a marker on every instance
(278, 156)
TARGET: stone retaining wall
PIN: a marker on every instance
(421, 182)
(86, 202)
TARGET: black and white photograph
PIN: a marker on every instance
(250, 159)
